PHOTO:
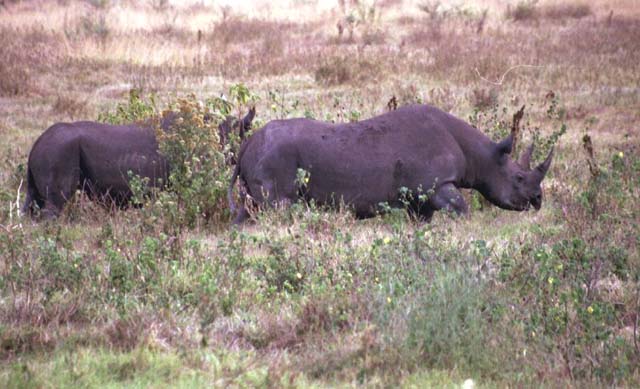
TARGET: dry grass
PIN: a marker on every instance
(82, 59)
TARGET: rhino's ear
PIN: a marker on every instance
(505, 145)
(544, 166)
(246, 122)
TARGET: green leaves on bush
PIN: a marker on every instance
(198, 175)
(195, 193)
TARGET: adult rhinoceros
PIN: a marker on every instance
(363, 164)
(98, 158)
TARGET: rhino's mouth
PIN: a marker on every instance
(535, 202)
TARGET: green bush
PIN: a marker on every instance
(195, 194)
(199, 175)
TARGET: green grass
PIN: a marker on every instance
(139, 368)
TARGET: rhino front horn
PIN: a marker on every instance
(544, 166)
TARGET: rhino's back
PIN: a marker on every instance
(104, 154)
(364, 162)
(111, 153)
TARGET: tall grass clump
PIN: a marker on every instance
(20, 68)
(451, 320)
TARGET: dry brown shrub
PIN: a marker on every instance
(340, 70)
(525, 10)
(19, 66)
(406, 20)
(374, 37)
(483, 98)
(425, 34)
(14, 80)
(20, 339)
(70, 106)
(236, 29)
(254, 47)
(14, 76)
(169, 32)
(566, 11)
(389, 3)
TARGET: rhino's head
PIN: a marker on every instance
(514, 185)
(231, 124)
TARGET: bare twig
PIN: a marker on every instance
(635, 322)
(392, 105)
(18, 199)
(591, 159)
(505, 73)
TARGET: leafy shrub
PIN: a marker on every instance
(136, 109)
(196, 188)
(198, 175)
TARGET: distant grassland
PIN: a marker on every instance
(309, 296)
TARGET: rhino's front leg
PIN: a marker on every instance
(449, 198)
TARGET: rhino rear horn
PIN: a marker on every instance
(525, 158)
(544, 166)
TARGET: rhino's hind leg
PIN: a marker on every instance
(242, 215)
(275, 190)
(58, 190)
(447, 197)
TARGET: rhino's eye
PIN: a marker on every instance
(519, 178)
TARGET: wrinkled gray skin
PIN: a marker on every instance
(96, 158)
(365, 163)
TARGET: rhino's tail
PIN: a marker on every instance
(232, 205)
(32, 194)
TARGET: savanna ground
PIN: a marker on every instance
(170, 295)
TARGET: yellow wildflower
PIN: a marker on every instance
(590, 309)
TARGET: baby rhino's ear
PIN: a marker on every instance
(246, 122)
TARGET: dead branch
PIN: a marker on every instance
(501, 81)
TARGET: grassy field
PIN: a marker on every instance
(170, 295)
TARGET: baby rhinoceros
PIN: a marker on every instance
(418, 148)
(99, 159)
